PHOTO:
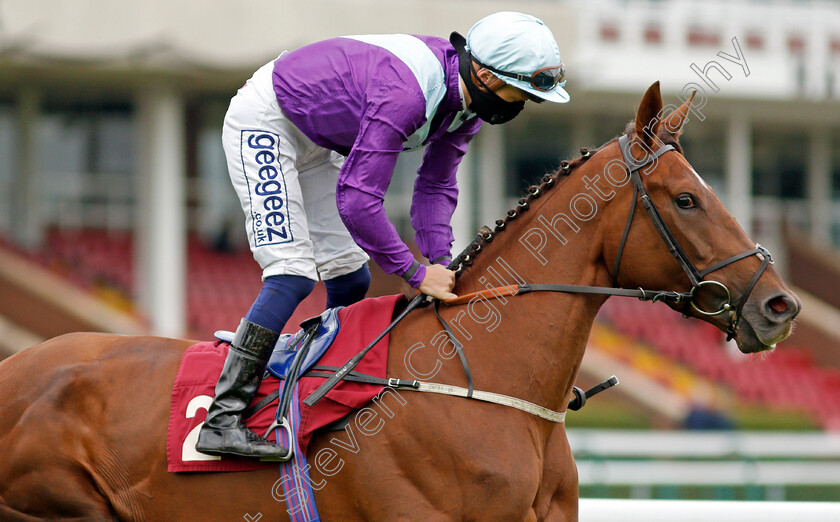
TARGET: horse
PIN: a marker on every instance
(83, 421)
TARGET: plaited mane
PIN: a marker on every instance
(548, 183)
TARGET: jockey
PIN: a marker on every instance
(311, 142)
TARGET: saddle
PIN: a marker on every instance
(318, 333)
(334, 336)
(292, 357)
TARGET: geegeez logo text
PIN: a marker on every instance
(267, 188)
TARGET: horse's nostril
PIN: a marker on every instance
(778, 305)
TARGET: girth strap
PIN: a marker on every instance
(429, 387)
(447, 389)
(496, 398)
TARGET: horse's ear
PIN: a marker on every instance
(647, 119)
(675, 121)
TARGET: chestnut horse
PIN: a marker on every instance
(83, 417)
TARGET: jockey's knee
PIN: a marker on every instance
(279, 297)
(347, 289)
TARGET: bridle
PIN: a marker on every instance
(695, 276)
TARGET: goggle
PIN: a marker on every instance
(544, 79)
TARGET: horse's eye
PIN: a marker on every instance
(685, 201)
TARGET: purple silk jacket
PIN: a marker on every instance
(369, 97)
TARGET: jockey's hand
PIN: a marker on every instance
(438, 282)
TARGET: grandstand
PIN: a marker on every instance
(123, 161)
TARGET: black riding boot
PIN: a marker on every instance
(223, 433)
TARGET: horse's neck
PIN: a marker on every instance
(538, 339)
(550, 242)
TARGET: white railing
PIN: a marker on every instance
(644, 460)
(611, 510)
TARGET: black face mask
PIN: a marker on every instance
(486, 104)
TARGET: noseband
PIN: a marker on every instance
(694, 275)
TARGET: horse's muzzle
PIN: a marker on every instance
(767, 320)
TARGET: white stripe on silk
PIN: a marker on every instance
(426, 68)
